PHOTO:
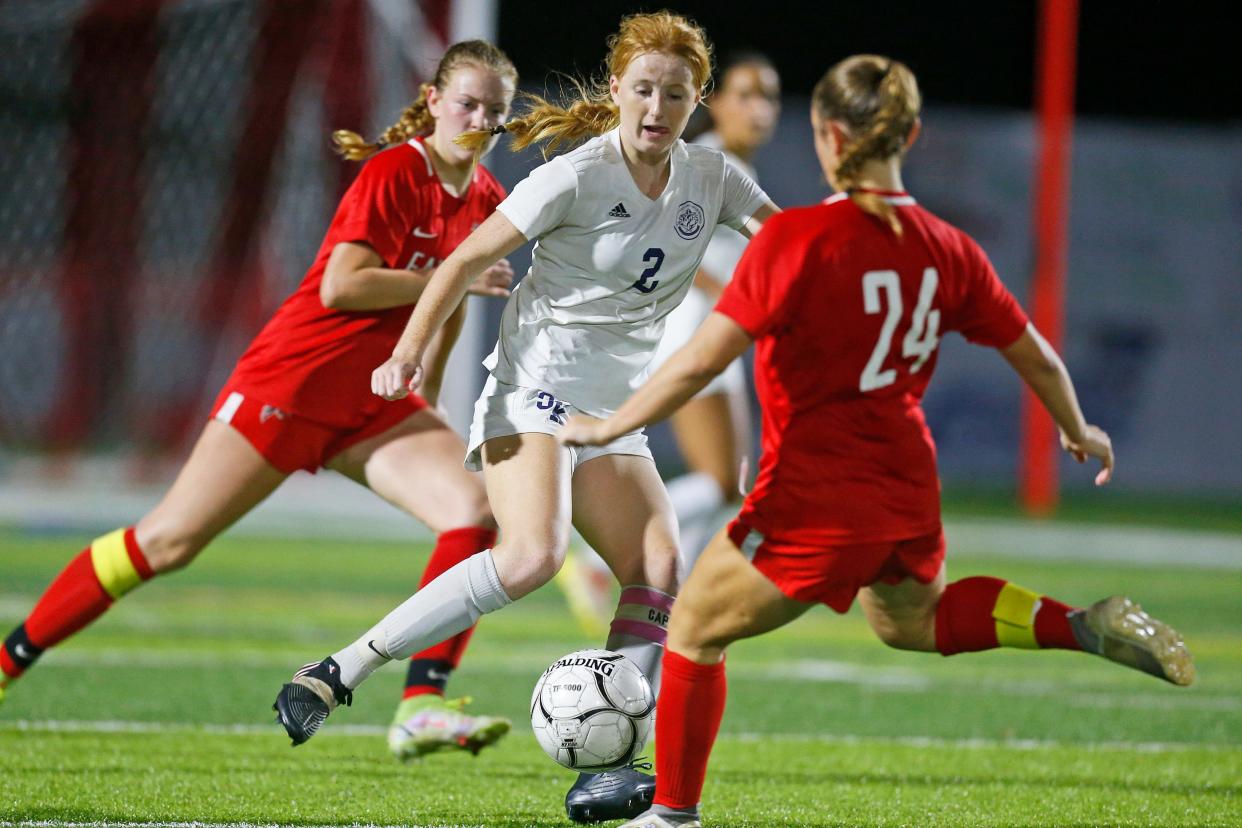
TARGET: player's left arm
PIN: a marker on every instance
(435, 358)
(751, 226)
(717, 342)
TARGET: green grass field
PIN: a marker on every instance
(160, 712)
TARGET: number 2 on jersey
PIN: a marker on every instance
(919, 342)
(646, 283)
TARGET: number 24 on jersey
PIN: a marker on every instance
(883, 288)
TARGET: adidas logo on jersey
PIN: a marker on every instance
(619, 211)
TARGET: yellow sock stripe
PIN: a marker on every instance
(113, 567)
(1014, 615)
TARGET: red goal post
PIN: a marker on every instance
(1056, 69)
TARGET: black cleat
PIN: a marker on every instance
(623, 793)
(304, 703)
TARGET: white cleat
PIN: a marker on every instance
(650, 820)
(1118, 629)
(426, 724)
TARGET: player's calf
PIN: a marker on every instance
(96, 578)
(982, 613)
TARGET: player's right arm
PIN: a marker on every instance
(991, 316)
(355, 279)
(1042, 370)
(494, 239)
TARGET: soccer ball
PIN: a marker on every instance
(591, 710)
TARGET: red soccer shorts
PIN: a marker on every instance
(290, 442)
(833, 575)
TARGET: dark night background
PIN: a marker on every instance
(1159, 60)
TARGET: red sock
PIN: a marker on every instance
(983, 613)
(688, 714)
(429, 670)
(76, 597)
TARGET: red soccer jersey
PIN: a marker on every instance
(847, 316)
(316, 362)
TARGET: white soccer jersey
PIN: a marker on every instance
(727, 245)
(608, 267)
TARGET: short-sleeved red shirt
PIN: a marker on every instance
(316, 362)
(846, 316)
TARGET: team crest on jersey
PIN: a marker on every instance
(689, 221)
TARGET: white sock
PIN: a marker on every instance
(640, 629)
(696, 500)
(451, 603)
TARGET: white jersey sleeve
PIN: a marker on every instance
(741, 198)
(543, 199)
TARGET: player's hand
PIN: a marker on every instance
(582, 430)
(494, 281)
(396, 378)
(1094, 443)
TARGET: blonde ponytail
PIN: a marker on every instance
(414, 121)
(552, 125)
(879, 100)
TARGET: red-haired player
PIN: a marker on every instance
(620, 225)
(299, 398)
(846, 303)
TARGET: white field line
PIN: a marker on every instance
(880, 679)
(371, 731)
(49, 823)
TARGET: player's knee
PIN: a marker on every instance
(169, 547)
(655, 567)
(525, 564)
(699, 638)
(682, 630)
(698, 624)
(913, 632)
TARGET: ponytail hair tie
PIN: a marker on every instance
(499, 130)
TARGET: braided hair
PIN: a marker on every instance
(417, 119)
(878, 99)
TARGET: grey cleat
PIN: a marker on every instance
(617, 794)
(1118, 629)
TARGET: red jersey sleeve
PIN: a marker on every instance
(763, 280)
(989, 315)
(380, 208)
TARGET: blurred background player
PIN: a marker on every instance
(846, 302)
(298, 397)
(621, 225)
(712, 430)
